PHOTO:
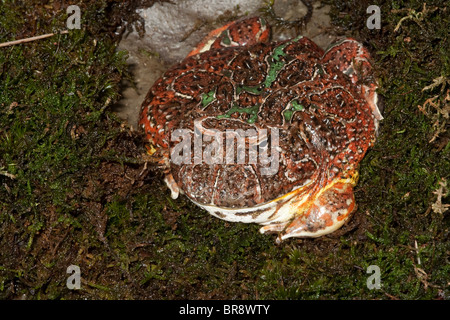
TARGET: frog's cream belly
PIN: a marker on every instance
(276, 214)
(280, 210)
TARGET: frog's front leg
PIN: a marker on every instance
(327, 213)
(172, 185)
(353, 59)
(244, 32)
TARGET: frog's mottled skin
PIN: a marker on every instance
(323, 103)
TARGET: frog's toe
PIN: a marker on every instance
(273, 228)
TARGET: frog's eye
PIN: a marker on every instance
(263, 143)
(349, 71)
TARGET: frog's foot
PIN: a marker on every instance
(245, 32)
(173, 186)
(327, 213)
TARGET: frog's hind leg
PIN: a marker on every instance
(327, 213)
(243, 32)
(350, 57)
(353, 59)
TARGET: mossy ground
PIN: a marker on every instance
(73, 191)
